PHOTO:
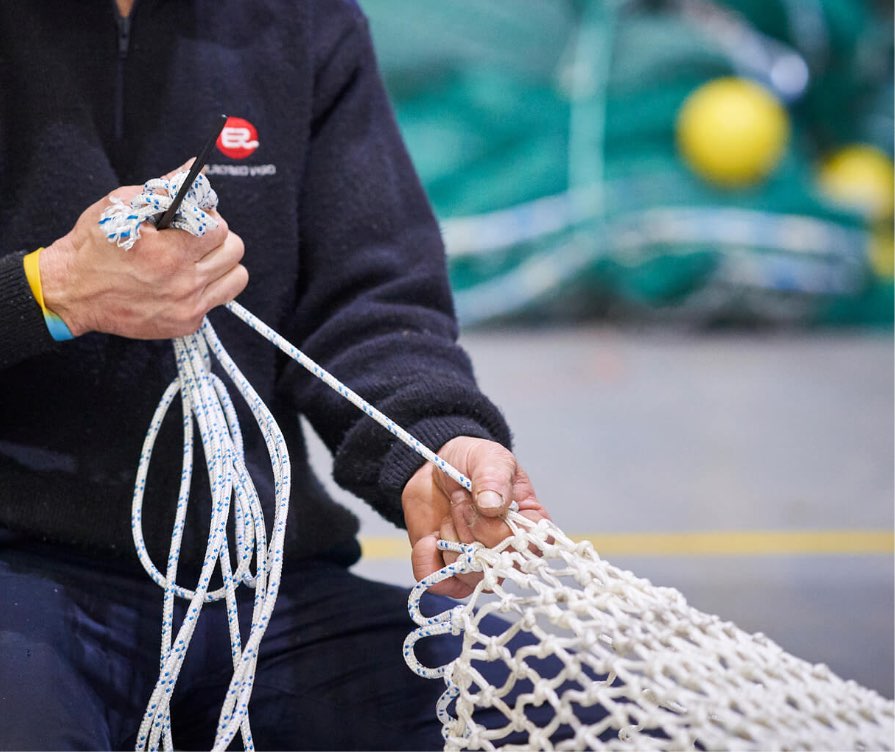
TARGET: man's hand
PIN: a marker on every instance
(159, 289)
(435, 506)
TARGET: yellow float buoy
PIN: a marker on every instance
(732, 132)
(860, 177)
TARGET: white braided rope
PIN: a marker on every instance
(206, 403)
(667, 675)
(355, 399)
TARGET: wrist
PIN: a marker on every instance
(57, 280)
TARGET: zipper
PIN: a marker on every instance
(124, 39)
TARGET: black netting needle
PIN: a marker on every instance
(201, 159)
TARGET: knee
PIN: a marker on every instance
(43, 702)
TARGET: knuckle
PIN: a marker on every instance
(242, 278)
(183, 288)
(188, 322)
(196, 311)
(223, 228)
(494, 476)
(236, 282)
(188, 326)
(164, 262)
(239, 247)
(490, 478)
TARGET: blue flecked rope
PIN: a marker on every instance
(121, 222)
(206, 403)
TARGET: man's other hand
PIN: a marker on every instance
(435, 506)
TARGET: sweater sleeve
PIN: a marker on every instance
(374, 303)
(23, 332)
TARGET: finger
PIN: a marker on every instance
(226, 288)
(192, 247)
(533, 509)
(471, 525)
(448, 532)
(125, 193)
(492, 470)
(523, 491)
(468, 580)
(426, 559)
(222, 258)
(462, 519)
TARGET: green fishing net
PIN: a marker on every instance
(545, 134)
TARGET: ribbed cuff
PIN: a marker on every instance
(23, 332)
(375, 465)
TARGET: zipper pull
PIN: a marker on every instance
(124, 35)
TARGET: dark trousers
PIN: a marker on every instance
(79, 656)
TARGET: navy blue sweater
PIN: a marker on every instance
(343, 252)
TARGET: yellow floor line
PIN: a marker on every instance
(712, 543)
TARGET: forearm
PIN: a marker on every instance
(23, 332)
(373, 302)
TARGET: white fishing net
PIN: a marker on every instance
(593, 657)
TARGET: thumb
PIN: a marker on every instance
(492, 469)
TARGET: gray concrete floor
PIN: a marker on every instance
(628, 431)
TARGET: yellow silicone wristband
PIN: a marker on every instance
(58, 329)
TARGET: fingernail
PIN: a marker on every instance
(489, 500)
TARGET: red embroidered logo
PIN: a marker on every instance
(238, 139)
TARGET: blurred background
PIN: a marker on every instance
(664, 160)
(669, 232)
